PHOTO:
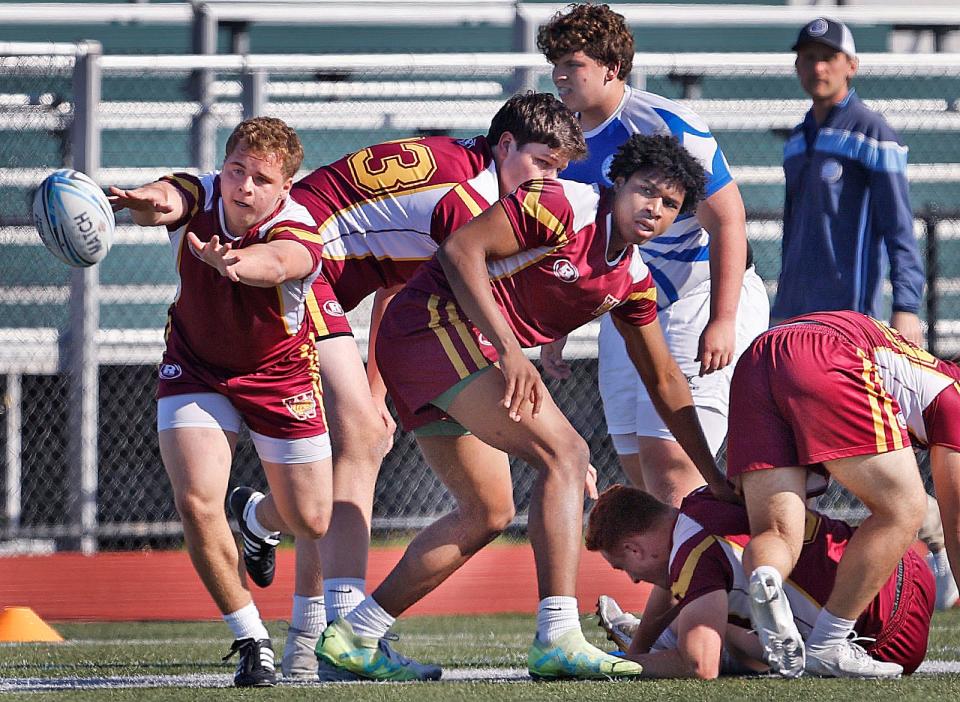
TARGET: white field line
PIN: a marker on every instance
(212, 680)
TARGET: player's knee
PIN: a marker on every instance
(309, 523)
(364, 439)
(198, 510)
(571, 458)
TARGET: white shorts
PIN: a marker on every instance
(214, 411)
(627, 405)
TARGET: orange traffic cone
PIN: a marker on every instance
(23, 624)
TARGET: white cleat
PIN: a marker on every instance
(947, 592)
(299, 662)
(848, 660)
(773, 621)
(620, 626)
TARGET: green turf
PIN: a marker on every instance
(114, 649)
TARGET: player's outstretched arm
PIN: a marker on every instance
(701, 626)
(551, 358)
(260, 265)
(378, 390)
(153, 204)
(670, 393)
(722, 215)
(464, 259)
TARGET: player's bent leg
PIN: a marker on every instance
(478, 477)
(302, 498)
(776, 510)
(889, 485)
(360, 440)
(197, 461)
(555, 522)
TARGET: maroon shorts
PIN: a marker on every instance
(283, 401)
(425, 346)
(326, 312)
(802, 394)
(899, 617)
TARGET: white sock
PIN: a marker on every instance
(250, 517)
(308, 614)
(829, 631)
(940, 562)
(370, 619)
(767, 573)
(556, 616)
(245, 623)
(342, 595)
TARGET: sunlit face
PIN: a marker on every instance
(583, 83)
(518, 164)
(630, 561)
(252, 186)
(824, 72)
(645, 207)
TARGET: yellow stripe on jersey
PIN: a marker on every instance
(445, 341)
(810, 527)
(313, 307)
(682, 584)
(648, 294)
(192, 188)
(872, 393)
(468, 200)
(466, 337)
(309, 352)
(299, 233)
(533, 207)
(892, 420)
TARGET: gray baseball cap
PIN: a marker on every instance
(828, 32)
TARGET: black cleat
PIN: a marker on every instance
(259, 555)
(255, 668)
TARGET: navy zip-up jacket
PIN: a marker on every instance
(846, 212)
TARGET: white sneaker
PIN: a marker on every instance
(848, 660)
(947, 592)
(299, 660)
(620, 626)
(773, 621)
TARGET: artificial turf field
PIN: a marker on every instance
(484, 657)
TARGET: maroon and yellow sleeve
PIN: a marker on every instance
(455, 209)
(699, 569)
(540, 214)
(640, 307)
(301, 233)
(191, 188)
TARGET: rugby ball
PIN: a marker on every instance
(73, 218)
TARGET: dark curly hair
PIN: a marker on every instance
(663, 153)
(620, 512)
(542, 119)
(596, 30)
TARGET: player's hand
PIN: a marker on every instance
(590, 484)
(908, 324)
(717, 344)
(523, 384)
(223, 258)
(145, 199)
(551, 358)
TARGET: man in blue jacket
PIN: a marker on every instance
(847, 207)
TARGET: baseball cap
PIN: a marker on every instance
(829, 32)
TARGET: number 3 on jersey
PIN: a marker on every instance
(392, 167)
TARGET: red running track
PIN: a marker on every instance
(161, 585)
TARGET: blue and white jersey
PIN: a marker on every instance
(679, 259)
(846, 214)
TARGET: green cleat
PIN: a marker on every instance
(571, 656)
(367, 657)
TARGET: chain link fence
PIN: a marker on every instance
(162, 114)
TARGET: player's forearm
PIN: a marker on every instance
(665, 664)
(466, 271)
(168, 205)
(266, 265)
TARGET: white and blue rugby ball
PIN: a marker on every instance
(73, 218)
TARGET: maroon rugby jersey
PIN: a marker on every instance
(561, 279)
(374, 208)
(911, 375)
(708, 541)
(231, 326)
